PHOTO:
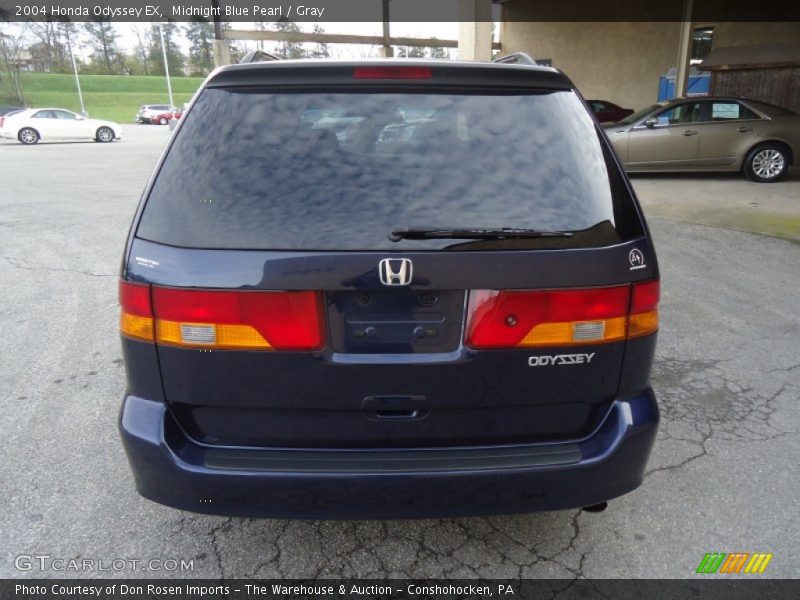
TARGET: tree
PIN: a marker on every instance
(437, 52)
(201, 50)
(288, 50)
(11, 43)
(174, 55)
(106, 57)
(410, 52)
(66, 37)
(138, 63)
(320, 49)
(51, 51)
(234, 49)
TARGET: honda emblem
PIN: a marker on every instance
(395, 271)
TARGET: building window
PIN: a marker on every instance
(702, 38)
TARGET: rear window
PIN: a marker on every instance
(335, 171)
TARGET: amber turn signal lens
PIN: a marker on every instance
(134, 326)
(642, 324)
(203, 335)
(574, 333)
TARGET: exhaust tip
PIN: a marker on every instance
(596, 508)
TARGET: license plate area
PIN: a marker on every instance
(399, 321)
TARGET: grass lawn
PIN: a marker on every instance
(112, 97)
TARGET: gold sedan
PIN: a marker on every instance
(709, 134)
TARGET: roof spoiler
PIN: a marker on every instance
(258, 56)
(516, 58)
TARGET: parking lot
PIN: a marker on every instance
(722, 477)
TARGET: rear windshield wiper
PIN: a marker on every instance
(487, 233)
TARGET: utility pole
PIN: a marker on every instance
(387, 51)
(222, 50)
(77, 79)
(684, 51)
(166, 64)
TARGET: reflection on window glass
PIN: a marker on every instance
(682, 113)
(337, 171)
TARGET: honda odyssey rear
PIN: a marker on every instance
(388, 290)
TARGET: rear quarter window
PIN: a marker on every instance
(259, 169)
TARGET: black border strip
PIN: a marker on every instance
(400, 10)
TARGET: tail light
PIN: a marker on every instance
(2, 120)
(505, 319)
(391, 73)
(643, 319)
(136, 313)
(250, 320)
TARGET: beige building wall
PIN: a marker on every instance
(741, 34)
(621, 61)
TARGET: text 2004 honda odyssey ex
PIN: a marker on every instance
(388, 290)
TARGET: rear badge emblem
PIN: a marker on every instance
(146, 262)
(547, 360)
(636, 258)
(395, 271)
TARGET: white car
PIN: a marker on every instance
(148, 112)
(34, 124)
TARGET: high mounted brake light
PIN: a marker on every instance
(391, 73)
(506, 319)
(205, 319)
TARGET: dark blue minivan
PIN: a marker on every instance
(388, 290)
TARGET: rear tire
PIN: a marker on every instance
(104, 135)
(28, 136)
(766, 163)
(163, 121)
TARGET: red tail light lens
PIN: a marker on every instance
(238, 320)
(506, 319)
(136, 314)
(546, 318)
(221, 319)
(644, 309)
(391, 73)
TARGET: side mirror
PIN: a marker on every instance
(651, 122)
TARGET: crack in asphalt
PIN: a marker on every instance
(15, 263)
(706, 401)
(215, 545)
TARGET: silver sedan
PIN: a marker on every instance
(709, 134)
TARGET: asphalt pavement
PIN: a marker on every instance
(722, 478)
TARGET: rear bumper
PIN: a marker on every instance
(171, 469)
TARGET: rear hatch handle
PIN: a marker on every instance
(395, 407)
